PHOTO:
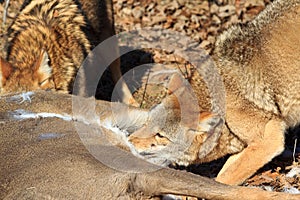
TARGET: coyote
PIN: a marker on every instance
(175, 131)
(259, 64)
(48, 41)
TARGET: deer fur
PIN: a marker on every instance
(45, 158)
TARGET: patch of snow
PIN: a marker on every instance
(264, 187)
(21, 114)
(291, 190)
(268, 188)
(171, 197)
(21, 98)
(294, 171)
(87, 120)
(47, 136)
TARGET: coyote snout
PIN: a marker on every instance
(176, 145)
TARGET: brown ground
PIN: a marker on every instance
(201, 21)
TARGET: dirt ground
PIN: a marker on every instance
(201, 21)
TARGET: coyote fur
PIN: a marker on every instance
(49, 40)
(259, 63)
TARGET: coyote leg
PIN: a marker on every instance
(242, 165)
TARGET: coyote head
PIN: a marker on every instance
(167, 138)
(176, 131)
(39, 76)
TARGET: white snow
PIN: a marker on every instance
(294, 171)
(291, 190)
(47, 136)
(21, 98)
(23, 114)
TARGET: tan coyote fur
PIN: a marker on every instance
(49, 40)
(259, 63)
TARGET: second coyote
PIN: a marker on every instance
(48, 41)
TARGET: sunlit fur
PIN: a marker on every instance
(259, 63)
(55, 28)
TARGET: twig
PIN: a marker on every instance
(5, 12)
(295, 145)
(177, 65)
(144, 93)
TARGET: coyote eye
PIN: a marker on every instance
(159, 135)
(161, 140)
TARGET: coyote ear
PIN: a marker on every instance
(43, 70)
(179, 92)
(182, 98)
(171, 102)
(5, 71)
(176, 82)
